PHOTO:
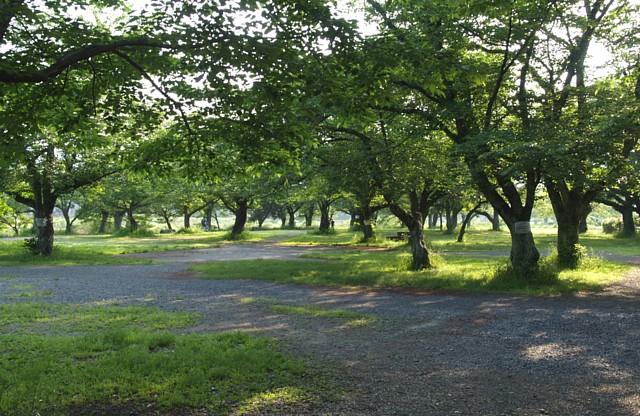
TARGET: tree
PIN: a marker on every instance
(68, 204)
(587, 125)
(68, 65)
(476, 71)
(13, 214)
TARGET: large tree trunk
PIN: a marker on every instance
(524, 255)
(419, 250)
(43, 205)
(241, 210)
(628, 226)
(45, 236)
(569, 206)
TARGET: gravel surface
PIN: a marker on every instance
(428, 353)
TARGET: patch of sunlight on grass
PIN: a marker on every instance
(388, 269)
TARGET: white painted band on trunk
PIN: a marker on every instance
(522, 227)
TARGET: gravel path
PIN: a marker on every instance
(428, 354)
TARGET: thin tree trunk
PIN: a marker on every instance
(133, 224)
(186, 221)
(583, 221)
(495, 221)
(308, 216)
(104, 217)
(467, 220)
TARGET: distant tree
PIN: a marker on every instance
(13, 214)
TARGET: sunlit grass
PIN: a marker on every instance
(388, 269)
(61, 359)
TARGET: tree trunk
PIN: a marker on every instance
(569, 206)
(241, 211)
(568, 238)
(167, 220)
(467, 220)
(67, 218)
(495, 221)
(215, 217)
(628, 226)
(583, 221)
(419, 250)
(308, 216)
(208, 213)
(433, 220)
(283, 221)
(117, 220)
(292, 217)
(524, 255)
(133, 224)
(186, 221)
(367, 222)
(450, 222)
(45, 236)
(325, 221)
(104, 217)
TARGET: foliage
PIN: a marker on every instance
(612, 226)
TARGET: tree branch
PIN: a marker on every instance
(144, 73)
(73, 57)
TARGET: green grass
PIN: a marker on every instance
(388, 269)
(60, 360)
(351, 318)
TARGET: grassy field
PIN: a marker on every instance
(100, 359)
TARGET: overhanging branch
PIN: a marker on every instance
(73, 57)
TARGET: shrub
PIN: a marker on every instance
(139, 233)
(187, 231)
(612, 226)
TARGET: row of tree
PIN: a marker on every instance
(496, 99)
